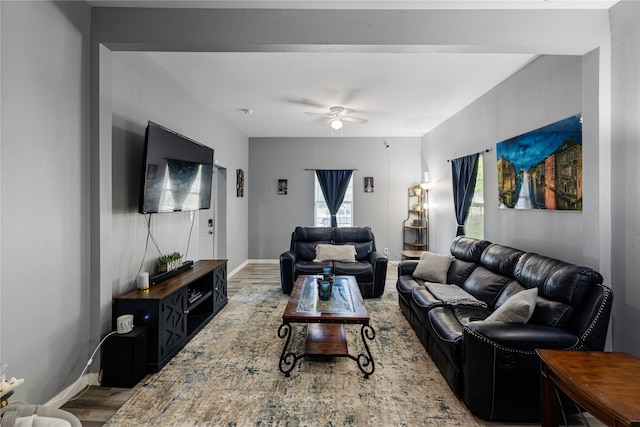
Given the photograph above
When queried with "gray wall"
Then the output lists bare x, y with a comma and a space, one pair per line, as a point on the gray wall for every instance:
625, 231
547, 90
141, 91
44, 197
273, 217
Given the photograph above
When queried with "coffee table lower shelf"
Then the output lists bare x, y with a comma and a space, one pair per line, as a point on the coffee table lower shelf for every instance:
326, 339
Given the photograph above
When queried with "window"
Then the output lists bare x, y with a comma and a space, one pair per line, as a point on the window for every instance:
474, 226
322, 215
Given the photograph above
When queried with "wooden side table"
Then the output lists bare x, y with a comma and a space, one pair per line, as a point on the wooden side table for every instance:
411, 254
605, 384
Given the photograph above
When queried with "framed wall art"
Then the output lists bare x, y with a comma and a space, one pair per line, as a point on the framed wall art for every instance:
282, 186
542, 169
239, 183
368, 184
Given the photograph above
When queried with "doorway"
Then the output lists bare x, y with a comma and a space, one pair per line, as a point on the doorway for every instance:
213, 221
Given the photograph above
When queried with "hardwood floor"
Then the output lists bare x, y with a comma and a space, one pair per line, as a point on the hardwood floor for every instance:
95, 406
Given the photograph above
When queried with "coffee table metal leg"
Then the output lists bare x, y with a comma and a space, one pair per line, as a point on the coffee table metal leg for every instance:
287, 359
365, 361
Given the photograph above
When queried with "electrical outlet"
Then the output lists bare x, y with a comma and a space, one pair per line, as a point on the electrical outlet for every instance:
386, 251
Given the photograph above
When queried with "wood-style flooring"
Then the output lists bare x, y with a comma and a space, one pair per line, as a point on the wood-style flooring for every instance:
97, 404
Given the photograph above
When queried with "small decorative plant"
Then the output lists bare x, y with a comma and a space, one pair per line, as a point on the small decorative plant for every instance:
170, 262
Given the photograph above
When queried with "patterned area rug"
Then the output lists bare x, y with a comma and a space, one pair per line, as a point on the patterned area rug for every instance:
228, 375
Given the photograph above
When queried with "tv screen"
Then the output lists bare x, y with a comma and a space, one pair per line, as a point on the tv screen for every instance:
177, 172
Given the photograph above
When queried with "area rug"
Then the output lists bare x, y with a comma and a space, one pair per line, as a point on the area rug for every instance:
228, 375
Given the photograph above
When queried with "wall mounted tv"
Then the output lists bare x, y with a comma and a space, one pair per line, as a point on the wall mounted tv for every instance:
177, 172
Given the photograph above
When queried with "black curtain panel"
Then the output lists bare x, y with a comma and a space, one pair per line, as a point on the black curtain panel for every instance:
464, 171
334, 185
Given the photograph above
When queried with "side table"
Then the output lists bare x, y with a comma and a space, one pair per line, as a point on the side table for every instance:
415, 255
605, 384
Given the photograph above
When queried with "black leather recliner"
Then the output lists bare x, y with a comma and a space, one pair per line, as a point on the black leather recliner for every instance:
370, 268
493, 366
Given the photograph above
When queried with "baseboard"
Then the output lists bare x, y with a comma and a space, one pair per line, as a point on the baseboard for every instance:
65, 395
251, 261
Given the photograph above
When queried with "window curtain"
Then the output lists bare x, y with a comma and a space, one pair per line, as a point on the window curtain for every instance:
464, 171
334, 185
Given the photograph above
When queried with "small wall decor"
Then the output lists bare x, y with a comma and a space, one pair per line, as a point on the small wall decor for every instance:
282, 186
239, 183
368, 184
542, 169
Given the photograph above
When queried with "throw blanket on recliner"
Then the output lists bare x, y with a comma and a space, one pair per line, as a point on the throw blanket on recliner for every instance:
453, 295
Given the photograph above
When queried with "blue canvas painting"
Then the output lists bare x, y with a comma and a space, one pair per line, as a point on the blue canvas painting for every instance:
542, 169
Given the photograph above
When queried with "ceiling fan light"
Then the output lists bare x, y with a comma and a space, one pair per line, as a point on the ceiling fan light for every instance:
336, 124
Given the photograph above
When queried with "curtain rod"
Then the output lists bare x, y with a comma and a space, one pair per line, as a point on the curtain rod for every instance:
479, 152
321, 169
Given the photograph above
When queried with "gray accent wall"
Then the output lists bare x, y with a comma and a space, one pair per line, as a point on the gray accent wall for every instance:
44, 198
625, 171
272, 217
141, 91
548, 89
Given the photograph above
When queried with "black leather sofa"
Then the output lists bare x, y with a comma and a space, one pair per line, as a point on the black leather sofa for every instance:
369, 268
492, 365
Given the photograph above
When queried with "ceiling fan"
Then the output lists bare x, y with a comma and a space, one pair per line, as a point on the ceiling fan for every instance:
337, 115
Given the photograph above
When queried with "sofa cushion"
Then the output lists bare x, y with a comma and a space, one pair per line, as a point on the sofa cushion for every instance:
552, 313
433, 267
501, 259
363, 271
517, 309
342, 253
459, 271
360, 237
310, 268
305, 239
468, 248
486, 285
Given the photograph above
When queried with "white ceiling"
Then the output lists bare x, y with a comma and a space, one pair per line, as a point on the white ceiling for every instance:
266, 94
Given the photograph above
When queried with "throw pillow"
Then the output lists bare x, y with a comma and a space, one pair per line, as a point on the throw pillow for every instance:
517, 309
341, 253
433, 267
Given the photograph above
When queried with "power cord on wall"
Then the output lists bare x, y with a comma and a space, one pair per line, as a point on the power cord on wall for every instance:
89, 362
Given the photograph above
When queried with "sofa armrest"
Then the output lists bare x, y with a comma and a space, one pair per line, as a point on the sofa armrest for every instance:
518, 336
501, 369
379, 262
406, 268
287, 263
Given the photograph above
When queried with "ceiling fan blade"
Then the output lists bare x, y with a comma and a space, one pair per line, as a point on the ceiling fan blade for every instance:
354, 119
346, 111
317, 114
305, 101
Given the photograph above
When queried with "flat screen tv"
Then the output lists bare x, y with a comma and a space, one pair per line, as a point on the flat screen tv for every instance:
177, 172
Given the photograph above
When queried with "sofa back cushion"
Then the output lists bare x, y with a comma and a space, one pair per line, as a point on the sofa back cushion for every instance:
305, 239
561, 287
486, 285
501, 259
468, 248
466, 252
360, 237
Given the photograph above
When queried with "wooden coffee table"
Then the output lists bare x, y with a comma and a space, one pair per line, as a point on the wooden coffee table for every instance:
325, 322
605, 384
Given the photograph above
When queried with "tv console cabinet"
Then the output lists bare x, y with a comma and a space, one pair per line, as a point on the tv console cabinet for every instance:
175, 309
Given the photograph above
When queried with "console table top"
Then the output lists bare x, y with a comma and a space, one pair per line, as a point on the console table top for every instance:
607, 384
167, 287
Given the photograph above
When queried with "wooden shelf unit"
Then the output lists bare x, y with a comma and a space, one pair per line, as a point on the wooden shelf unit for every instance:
175, 309
415, 229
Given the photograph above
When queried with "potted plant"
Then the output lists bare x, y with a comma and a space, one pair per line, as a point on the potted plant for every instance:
170, 262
